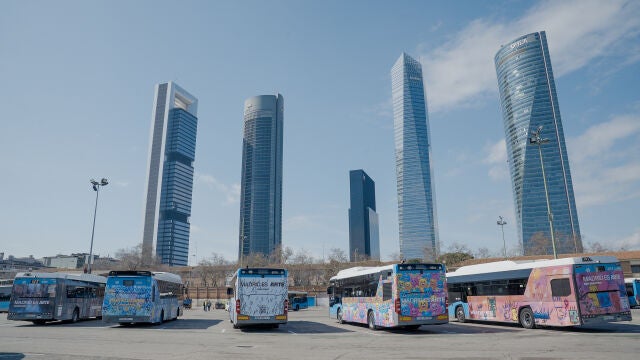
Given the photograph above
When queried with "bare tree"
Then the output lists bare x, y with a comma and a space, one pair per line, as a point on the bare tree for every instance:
132, 259
337, 255
483, 253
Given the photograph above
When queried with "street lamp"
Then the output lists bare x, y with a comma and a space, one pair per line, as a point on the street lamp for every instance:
502, 223
96, 188
535, 139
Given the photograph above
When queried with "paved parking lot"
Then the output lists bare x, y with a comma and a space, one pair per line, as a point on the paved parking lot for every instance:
310, 334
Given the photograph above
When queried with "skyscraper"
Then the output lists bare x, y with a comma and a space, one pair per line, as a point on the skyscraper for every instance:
261, 183
170, 180
364, 238
528, 98
416, 191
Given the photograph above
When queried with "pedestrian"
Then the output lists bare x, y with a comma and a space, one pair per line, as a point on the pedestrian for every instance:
208, 305
204, 305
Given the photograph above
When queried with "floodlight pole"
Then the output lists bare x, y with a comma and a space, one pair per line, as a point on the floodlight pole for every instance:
536, 140
96, 188
501, 222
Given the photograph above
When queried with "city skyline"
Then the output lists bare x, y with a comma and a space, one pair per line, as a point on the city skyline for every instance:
417, 214
77, 95
530, 105
172, 151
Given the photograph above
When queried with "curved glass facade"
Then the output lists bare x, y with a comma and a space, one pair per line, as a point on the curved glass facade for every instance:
261, 183
529, 100
416, 197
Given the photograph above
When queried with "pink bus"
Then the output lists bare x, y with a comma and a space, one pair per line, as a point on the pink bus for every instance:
563, 292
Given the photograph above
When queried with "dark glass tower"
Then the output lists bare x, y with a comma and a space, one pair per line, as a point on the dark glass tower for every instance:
417, 219
170, 181
261, 183
529, 100
364, 238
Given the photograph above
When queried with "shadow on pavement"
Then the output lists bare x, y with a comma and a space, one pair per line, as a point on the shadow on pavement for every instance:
310, 327
11, 356
605, 328
180, 324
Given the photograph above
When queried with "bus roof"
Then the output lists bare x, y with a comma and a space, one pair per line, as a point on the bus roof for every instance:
166, 276
631, 280
70, 276
159, 275
360, 270
509, 265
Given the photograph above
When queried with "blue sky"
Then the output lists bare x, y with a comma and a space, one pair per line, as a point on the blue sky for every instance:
77, 94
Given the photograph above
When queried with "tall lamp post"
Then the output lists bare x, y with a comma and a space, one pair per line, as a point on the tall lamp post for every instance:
96, 188
535, 139
502, 223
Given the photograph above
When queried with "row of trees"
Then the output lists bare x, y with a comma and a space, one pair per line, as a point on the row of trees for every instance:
304, 269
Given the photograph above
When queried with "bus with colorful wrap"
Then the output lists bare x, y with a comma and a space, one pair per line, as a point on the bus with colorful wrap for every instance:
391, 296
571, 291
142, 297
41, 297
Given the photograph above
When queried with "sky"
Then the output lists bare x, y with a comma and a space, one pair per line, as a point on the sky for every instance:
77, 92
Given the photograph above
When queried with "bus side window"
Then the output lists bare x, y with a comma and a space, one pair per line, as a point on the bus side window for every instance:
153, 293
560, 287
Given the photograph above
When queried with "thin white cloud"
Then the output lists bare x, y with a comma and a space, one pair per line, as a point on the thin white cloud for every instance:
605, 162
497, 160
630, 242
230, 192
461, 72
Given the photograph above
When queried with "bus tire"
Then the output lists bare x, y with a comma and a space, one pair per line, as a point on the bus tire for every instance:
75, 316
339, 316
296, 308
236, 326
526, 318
371, 320
460, 314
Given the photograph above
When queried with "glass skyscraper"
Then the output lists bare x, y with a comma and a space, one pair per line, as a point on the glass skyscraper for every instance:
170, 179
261, 183
528, 98
364, 238
416, 196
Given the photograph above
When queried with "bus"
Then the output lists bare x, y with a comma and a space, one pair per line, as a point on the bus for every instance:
562, 292
258, 296
397, 295
5, 294
142, 297
298, 300
42, 297
633, 291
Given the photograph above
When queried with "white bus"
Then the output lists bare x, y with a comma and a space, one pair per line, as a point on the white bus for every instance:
142, 297
42, 297
258, 296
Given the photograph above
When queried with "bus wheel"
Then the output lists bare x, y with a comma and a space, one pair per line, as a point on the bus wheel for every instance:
75, 315
161, 317
526, 318
340, 321
372, 321
460, 314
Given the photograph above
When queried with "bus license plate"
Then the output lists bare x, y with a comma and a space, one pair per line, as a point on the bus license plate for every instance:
424, 317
